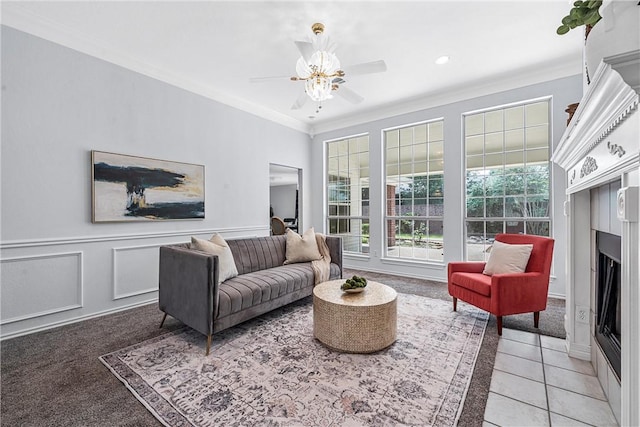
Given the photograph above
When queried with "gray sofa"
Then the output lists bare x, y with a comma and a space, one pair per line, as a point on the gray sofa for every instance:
189, 289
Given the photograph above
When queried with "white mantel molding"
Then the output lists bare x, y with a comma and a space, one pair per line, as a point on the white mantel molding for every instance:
608, 102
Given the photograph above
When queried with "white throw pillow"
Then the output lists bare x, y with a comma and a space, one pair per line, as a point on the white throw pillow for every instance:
218, 246
301, 248
505, 258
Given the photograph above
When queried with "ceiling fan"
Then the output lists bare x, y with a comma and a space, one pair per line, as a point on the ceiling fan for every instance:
319, 68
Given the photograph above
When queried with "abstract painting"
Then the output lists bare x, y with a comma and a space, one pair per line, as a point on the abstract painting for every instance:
130, 188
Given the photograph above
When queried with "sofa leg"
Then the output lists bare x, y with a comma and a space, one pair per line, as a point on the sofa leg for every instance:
163, 319
536, 319
208, 344
499, 318
455, 304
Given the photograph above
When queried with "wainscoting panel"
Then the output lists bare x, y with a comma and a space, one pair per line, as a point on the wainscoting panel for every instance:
135, 270
39, 285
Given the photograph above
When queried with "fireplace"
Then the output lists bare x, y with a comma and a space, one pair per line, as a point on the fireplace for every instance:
600, 153
608, 315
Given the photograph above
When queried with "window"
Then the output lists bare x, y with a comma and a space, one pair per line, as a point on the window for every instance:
414, 164
348, 192
507, 174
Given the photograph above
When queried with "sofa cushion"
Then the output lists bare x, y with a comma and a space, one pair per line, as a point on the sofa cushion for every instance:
254, 288
476, 282
301, 248
217, 246
257, 253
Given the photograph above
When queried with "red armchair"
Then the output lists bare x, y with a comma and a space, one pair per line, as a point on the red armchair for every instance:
510, 293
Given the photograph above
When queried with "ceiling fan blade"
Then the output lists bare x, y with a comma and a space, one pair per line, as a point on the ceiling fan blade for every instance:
302, 99
365, 68
349, 95
305, 48
268, 79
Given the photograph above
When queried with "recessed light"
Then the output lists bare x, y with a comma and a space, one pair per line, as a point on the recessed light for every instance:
442, 60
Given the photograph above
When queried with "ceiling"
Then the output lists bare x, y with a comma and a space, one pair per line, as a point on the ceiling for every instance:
214, 48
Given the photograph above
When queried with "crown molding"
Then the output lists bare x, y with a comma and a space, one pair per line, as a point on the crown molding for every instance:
22, 19
500, 83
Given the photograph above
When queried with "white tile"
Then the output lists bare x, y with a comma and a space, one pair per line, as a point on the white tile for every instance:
503, 411
582, 408
519, 349
519, 366
574, 381
557, 344
560, 421
562, 360
521, 336
518, 388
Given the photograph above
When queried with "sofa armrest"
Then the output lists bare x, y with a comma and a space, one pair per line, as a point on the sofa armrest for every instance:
188, 286
335, 250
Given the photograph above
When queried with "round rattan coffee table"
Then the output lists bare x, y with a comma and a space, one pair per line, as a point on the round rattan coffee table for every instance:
362, 322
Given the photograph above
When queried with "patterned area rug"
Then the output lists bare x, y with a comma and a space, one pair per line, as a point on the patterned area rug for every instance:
271, 371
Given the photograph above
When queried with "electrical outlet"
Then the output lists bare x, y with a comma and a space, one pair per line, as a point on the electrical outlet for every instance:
582, 315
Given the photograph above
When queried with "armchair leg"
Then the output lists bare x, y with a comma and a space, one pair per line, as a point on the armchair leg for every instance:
499, 318
163, 319
536, 319
455, 304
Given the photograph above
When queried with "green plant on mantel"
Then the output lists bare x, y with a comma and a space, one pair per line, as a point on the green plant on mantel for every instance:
583, 13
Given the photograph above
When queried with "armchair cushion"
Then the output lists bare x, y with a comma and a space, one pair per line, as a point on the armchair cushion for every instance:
476, 282
506, 258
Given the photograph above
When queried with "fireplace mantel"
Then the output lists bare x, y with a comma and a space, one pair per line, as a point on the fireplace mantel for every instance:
586, 150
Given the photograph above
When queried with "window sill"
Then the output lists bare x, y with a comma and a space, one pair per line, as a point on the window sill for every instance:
431, 264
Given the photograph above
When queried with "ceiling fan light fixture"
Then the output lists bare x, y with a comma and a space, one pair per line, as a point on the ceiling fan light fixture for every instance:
318, 74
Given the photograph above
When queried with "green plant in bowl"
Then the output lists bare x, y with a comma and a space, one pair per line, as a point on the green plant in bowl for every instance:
356, 282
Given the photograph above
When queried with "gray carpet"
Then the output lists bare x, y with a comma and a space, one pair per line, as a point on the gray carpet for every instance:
54, 378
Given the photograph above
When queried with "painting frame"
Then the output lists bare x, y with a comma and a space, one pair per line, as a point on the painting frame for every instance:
129, 188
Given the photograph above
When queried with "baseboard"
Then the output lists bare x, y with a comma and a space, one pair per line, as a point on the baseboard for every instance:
52, 325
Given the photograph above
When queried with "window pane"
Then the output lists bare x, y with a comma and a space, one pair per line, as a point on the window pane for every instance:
474, 124
514, 207
539, 228
493, 143
435, 131
537, 113
474, 144
514, 118
436, 151
537, 137
475, 206
493, 121
495, 207
514, 140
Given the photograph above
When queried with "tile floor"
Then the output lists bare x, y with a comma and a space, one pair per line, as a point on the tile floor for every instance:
535, 383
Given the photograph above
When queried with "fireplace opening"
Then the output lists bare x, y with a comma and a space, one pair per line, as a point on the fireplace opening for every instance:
608, 313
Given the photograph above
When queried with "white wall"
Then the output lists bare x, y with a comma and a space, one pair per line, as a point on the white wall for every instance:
562, 92
57, 106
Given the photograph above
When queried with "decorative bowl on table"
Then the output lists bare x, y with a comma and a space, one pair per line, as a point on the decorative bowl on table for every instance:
354, 285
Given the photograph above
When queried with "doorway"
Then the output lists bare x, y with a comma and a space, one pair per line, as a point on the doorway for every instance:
285, 195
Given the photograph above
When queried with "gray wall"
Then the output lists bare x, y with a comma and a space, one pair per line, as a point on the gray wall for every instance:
562, 92
57, 106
